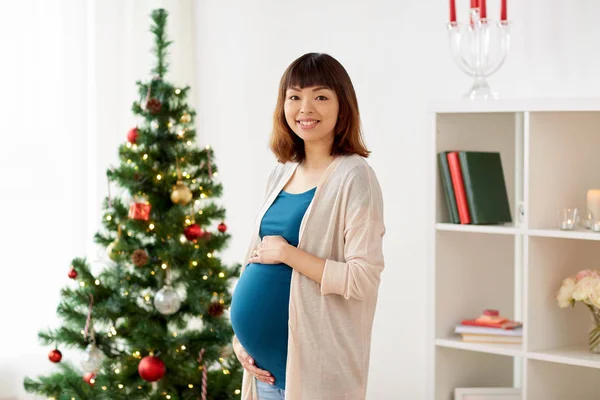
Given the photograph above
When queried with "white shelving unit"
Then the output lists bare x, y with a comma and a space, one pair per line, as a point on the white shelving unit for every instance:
550, 150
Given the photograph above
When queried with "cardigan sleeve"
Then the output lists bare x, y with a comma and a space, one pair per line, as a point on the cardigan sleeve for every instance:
359, 275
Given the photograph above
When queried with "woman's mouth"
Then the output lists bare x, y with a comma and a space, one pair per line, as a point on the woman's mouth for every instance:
307, 123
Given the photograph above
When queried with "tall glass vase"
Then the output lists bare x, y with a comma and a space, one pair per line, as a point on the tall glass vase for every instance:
594, 335
479, 48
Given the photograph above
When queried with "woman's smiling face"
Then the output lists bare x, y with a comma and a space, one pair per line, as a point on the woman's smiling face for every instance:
312, 112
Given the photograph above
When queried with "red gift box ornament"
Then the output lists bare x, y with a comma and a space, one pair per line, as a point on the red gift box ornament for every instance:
140, 211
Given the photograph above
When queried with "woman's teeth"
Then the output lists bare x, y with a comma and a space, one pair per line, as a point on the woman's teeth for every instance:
307, 123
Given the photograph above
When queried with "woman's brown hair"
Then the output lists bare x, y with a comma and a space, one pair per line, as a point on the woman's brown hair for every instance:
318, 69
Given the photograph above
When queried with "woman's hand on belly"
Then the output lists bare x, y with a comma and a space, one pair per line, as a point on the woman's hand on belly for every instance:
248, 364
270, 251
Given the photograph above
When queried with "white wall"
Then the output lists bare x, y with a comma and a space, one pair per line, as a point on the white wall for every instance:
397, 55
42, 170
67, 96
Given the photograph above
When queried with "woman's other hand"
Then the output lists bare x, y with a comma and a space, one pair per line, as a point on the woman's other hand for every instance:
270, 251
248, 364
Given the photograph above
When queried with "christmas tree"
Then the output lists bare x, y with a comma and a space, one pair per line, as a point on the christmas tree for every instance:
152, 318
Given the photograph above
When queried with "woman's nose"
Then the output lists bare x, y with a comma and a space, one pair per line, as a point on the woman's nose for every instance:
306, 106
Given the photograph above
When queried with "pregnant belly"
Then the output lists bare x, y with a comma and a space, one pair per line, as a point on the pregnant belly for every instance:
259, 311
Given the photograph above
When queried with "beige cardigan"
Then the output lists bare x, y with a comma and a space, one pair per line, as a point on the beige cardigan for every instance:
330, 324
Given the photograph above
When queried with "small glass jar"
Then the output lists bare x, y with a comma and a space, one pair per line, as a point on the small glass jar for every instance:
567, 218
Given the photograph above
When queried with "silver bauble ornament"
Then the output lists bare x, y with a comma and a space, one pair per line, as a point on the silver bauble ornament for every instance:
167, 301
92, 358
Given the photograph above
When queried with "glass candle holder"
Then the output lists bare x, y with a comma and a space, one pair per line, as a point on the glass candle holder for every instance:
587, 223
479, 48
567, 218
595, 225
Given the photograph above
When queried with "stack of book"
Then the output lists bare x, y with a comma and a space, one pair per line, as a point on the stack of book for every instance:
474, 187
490, 327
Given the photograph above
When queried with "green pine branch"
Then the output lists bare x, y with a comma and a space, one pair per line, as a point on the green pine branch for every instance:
159, 17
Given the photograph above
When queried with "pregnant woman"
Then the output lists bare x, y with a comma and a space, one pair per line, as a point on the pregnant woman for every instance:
303, 308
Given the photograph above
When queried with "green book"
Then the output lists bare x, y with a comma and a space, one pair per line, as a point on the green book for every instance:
485, 187
448, 188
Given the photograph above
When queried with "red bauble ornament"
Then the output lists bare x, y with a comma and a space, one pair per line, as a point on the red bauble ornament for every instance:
222, 227
90, 378
151, 368
193, 232
153, 105
132, 135
140, 211
72, 273
55, 356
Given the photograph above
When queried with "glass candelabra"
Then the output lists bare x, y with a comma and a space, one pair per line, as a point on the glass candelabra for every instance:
479, 48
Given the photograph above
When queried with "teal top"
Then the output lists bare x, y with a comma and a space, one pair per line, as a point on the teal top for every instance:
259, 307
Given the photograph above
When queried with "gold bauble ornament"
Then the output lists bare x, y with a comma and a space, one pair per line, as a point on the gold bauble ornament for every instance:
113, 250
186, 118
181, 194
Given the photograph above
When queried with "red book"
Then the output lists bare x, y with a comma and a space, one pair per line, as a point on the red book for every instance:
502, 325
459, 188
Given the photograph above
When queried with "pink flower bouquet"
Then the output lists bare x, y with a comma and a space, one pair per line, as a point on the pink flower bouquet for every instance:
585, 288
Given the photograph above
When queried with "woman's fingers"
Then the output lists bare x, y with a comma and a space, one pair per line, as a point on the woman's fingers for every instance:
257, 371
260, 374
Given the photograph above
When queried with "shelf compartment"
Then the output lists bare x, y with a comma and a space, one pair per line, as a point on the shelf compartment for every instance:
473, 272
476, 132
550, 261
458, 368
563, 163
551, 381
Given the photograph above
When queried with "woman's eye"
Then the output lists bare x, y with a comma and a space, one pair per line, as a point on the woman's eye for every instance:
294, 97
321, 98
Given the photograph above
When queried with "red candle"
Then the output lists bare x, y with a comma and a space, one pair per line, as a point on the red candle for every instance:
474, 3
452, 11
482, 9
503, 11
